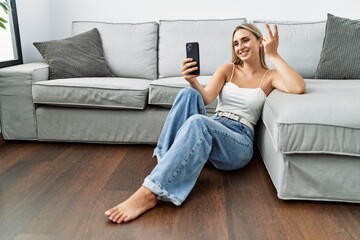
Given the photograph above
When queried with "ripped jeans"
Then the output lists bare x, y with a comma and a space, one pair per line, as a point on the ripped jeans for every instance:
189, 139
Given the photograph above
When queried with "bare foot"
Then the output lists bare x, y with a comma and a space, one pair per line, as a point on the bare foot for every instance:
141, 201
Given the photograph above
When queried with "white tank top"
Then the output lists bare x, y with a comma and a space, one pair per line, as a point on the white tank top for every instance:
245, 102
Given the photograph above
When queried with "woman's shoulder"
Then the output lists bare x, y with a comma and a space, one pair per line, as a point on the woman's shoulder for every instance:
224, 72
270, 75
226, 68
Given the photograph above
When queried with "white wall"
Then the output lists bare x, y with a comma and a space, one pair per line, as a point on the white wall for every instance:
35, 25
42, 20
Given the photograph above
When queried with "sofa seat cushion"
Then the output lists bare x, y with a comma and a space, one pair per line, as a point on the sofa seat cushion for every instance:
163, 91
326, 119
123, 93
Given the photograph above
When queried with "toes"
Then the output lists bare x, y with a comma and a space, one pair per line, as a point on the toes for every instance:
110, 212
122, 219
127, 219
116, 217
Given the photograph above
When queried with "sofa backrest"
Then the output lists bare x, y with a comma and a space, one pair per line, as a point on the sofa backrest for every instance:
300, 44
130, 49
154, 50
214, 37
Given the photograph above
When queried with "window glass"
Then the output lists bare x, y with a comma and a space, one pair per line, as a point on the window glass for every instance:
10, 49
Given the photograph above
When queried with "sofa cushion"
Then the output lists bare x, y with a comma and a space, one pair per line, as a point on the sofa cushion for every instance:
326, 119
120, 93
300, 44
163, 91
77, 56
214, 37
129, 48
340, 56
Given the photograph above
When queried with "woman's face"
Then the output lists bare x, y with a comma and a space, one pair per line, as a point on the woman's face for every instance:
245, 44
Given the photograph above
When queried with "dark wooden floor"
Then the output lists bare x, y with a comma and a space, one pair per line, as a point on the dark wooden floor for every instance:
61, 190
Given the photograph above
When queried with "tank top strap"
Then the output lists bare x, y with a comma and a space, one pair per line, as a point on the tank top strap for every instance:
233, 70
263, 77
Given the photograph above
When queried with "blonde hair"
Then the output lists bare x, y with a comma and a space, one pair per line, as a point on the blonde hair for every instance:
257, 33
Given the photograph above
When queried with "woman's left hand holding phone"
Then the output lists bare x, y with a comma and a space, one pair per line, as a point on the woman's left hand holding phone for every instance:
188, 67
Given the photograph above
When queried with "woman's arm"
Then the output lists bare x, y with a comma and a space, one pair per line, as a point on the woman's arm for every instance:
285, 78
212, 90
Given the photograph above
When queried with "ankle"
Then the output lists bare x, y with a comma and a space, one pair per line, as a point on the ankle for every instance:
149, 196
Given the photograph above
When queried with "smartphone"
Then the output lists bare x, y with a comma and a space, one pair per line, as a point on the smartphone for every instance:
192, 51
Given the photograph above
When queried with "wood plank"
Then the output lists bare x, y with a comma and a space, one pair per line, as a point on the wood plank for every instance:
61, 191
130, 173
76, 189
39, 237
166, 219
256, 213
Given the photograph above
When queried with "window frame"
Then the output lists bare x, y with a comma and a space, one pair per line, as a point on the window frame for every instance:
15, 27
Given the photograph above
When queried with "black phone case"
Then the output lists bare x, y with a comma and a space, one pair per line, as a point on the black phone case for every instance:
192, 51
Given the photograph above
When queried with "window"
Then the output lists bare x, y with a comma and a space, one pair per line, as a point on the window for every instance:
10, 48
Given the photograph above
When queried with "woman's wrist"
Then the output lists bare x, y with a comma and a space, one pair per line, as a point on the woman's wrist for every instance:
273, 56
194, 83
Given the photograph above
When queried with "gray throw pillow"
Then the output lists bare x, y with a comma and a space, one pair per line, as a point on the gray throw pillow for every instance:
78, 56
340, 55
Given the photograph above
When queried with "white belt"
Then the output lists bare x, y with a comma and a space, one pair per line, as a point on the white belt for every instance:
235, 117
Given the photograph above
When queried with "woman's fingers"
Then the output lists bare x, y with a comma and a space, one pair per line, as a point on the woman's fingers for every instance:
273, 37
187, 60
271, 42
269, 30
276, 32
190, 70
271, 34
188, 67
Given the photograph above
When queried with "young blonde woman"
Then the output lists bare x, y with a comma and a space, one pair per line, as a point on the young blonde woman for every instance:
189, 138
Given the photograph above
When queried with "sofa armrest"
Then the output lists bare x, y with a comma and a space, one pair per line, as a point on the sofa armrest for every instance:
18, 120
38, 71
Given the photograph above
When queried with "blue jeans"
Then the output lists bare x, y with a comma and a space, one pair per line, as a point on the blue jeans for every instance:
188, 140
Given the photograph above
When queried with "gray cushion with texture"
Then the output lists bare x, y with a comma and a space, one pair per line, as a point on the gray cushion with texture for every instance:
340, 56
77, 56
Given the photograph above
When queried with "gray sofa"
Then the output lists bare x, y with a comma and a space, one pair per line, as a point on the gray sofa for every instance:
310, 143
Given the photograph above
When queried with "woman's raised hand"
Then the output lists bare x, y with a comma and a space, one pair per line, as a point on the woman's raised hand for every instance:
189, 66
271, 42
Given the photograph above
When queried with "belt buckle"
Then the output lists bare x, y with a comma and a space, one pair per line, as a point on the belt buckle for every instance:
236, 117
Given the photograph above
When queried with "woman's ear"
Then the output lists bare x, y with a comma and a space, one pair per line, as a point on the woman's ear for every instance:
261, 42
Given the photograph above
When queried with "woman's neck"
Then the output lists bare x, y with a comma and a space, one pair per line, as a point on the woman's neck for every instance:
252, 68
